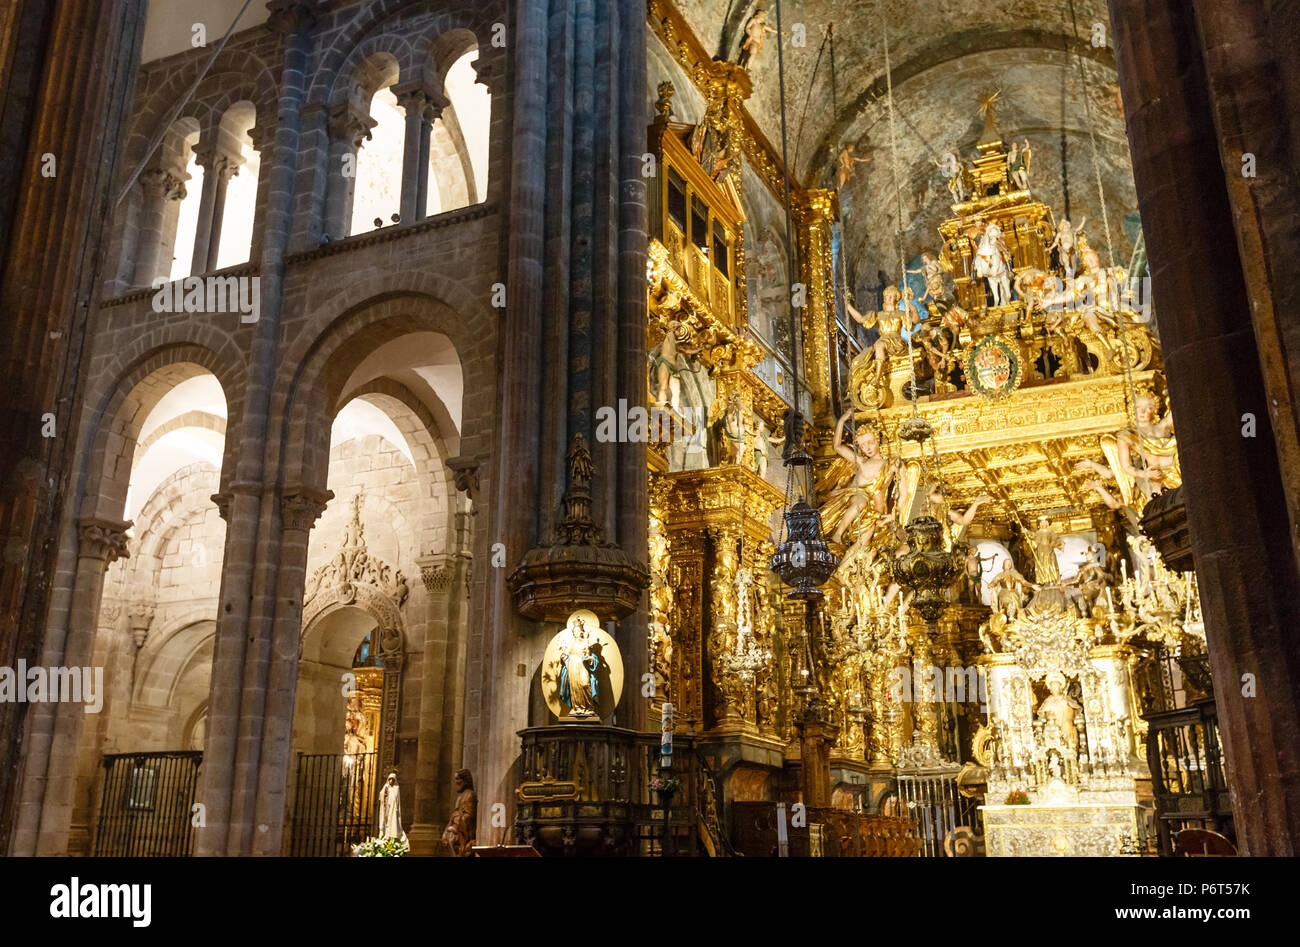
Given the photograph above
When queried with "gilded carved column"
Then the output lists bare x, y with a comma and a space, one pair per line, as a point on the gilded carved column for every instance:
721, 638
814, 214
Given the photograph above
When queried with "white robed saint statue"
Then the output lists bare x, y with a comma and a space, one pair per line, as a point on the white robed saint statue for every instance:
390, 810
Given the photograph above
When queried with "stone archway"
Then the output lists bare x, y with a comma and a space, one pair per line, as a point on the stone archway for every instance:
353, 578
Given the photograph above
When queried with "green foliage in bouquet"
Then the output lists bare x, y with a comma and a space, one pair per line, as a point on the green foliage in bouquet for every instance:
382, 848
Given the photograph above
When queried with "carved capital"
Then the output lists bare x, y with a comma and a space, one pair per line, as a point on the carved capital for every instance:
465, 471
437, 572
420, 98
140, 615
300, 507
163, 185
223, 501
489, 70
289, 16
104, 539
349, 125
213, 160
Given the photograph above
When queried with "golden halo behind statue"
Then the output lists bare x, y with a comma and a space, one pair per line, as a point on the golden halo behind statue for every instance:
608, 674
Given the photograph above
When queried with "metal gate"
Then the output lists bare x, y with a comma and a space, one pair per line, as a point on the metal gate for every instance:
145, 809
334, 803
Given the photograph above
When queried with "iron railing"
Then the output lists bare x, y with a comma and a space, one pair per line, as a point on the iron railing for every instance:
334, 802
146, 806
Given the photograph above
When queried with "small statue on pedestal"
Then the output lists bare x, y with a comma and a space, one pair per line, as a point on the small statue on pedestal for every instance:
390, 809
1059, 708
578, 685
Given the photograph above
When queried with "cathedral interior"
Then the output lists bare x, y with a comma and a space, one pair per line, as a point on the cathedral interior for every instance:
650, 428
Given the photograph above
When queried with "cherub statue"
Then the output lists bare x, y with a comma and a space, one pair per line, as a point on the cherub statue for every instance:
1018, 165
667, 361
963, 518
844, 165
889, 321
764, 439
734, 428
756, 29
867, 491
1008, 588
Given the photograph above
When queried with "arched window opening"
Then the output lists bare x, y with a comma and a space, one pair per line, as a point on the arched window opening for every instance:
187, 216
458, 156
233, 229
379, 165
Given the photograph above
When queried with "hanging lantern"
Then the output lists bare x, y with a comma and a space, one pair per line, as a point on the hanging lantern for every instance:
927, 569
803, 560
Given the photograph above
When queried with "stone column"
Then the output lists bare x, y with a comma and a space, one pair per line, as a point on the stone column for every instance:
349, 127
300, 507
247, 622
160, 187
511, 485
439, 574
1233, 485
421, 112
102, 543
218, 168
1247, 87
50, 55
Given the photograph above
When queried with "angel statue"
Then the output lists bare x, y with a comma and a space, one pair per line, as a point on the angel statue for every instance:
667, 362
954, 170
844, 165
755, 30
1143, 460
764, 440
1018, 165
1066, 259
932, 270
861, 479
889, 321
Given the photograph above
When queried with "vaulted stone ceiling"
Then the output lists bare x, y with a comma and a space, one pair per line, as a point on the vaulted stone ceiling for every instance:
945, 56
